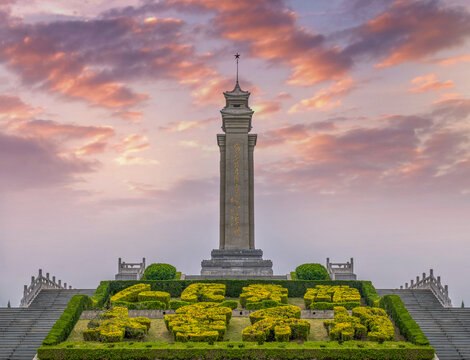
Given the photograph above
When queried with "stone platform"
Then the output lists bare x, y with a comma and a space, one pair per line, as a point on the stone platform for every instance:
236, 263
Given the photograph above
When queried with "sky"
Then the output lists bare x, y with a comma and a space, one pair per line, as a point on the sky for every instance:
109, 111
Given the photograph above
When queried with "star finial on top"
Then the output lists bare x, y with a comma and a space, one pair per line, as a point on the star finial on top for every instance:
237, 56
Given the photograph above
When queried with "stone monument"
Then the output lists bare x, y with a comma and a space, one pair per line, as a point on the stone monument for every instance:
237, 255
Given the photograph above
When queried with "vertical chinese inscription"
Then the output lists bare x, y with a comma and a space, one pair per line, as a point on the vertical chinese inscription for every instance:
235, 199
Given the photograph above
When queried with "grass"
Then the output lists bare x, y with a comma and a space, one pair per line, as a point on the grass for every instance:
317, 330
76, 334
296, 302
234, 329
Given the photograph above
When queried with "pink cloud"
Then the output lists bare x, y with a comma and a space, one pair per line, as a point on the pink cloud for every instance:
429, 83
411, 31
454, 60
326, 98
129, 146
34, 163
12, 107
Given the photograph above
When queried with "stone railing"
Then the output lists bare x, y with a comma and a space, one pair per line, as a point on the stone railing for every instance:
434, 284
130, 271
37, 284
341, 271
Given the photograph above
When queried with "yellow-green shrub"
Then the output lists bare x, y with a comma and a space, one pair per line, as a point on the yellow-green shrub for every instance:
202, 292
326, 297
279, 312
258, 293
372, 322
276, 324
161, 296
114, 325
204, 321
130, 294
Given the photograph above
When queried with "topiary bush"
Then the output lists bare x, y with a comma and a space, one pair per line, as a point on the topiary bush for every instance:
159, 272
254, 295
312, 272
276, 324
204, 321
202, 292
326, 297
115, 325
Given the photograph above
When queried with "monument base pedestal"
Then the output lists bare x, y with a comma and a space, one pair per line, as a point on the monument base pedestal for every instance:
237, 263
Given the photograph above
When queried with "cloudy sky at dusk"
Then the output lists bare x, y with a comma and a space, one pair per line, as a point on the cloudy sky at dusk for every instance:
109, 111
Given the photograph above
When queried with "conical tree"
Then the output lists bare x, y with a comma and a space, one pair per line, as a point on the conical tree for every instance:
9, 305
463, 305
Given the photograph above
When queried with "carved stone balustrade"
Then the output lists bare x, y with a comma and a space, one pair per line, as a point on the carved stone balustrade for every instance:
130, 271
341, 271
37, 284
432, 283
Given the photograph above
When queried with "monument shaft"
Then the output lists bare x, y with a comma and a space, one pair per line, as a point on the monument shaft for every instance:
237, 255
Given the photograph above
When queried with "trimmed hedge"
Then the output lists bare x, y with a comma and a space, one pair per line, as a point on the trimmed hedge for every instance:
159, 272
403, 320
369, 293
276, 324
65, 324
114, 325
312, 272
204, 321
257, 296
202, 292
320, 350
234, 288
327, 297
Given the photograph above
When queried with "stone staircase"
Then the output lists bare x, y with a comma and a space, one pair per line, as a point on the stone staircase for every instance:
448, 329
23, 329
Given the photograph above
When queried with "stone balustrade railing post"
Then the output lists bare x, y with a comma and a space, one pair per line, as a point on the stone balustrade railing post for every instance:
432, 283
37, 284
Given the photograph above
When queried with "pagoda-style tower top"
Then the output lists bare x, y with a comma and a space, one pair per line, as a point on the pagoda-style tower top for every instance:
236, 115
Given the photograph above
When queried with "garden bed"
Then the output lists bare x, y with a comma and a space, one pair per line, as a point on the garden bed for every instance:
236, 350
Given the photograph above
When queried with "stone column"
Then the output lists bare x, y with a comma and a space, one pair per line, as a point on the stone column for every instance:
221, 143
251, 168
237, 204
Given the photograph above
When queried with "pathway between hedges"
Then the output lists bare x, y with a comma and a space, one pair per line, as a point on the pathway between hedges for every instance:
448, 329
23, 329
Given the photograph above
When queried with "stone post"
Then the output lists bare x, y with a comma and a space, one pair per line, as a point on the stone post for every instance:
32, 280
251, 168
25, 290
47, 276
417, 280
221, 143
431, 272
60, 283
40, 274
352, 264
406, 285
65, 285
411, 283
439, 280
53, 279
143, 263
119, 265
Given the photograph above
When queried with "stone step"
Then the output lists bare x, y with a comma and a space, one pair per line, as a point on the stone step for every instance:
448, 329
23, 329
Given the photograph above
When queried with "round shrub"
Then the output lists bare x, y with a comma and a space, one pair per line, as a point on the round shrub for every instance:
159, 272
312, 272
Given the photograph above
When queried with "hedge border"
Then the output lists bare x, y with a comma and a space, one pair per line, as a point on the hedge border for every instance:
353, 350
297, 288
65, 324
408, 327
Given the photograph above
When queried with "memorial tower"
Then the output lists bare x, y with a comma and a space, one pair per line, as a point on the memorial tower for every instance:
237, 254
